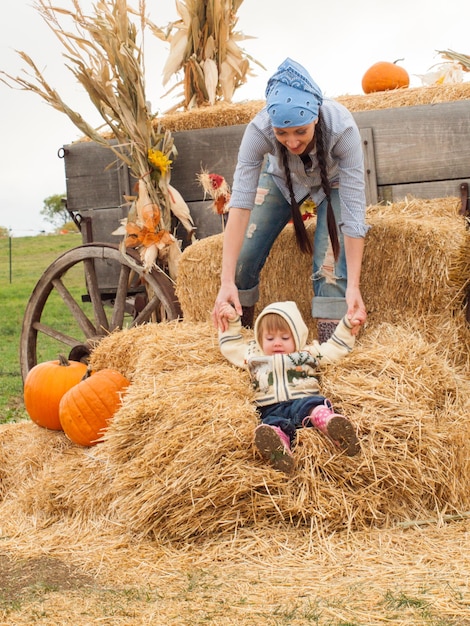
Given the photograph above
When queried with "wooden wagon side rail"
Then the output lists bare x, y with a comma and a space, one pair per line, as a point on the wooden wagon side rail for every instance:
421, 151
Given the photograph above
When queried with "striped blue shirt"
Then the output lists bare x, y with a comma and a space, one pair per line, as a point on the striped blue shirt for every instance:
344, 161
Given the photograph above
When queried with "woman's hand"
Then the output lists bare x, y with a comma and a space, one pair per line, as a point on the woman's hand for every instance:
227, 297
227, 312
357, 313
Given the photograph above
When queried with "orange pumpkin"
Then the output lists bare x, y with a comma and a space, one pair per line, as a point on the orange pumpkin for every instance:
383, 76
86, 409
44, 386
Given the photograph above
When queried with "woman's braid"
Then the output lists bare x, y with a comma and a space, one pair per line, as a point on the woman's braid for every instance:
325, 183
301, 235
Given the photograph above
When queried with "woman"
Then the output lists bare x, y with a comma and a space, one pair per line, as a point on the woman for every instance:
304, 147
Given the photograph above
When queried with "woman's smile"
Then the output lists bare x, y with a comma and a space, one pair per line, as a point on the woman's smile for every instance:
297, 139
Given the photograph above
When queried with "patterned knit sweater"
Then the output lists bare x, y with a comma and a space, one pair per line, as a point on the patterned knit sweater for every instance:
282, 377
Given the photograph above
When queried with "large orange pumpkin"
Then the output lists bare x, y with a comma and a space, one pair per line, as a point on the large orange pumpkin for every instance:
44, 386
383, 76
86, 409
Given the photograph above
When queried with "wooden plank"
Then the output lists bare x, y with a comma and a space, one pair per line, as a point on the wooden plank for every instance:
86, 158
100, 191
370, 174
428, 190
420, 143
94, 177
211, 149
103, 223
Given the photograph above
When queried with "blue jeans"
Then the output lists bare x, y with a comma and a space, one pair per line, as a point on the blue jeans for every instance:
289, 415
266, 222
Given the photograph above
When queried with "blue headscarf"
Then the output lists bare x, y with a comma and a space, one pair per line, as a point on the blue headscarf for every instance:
292, 96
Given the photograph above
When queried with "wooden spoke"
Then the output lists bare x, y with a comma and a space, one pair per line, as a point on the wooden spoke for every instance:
56, 334
85, 324
94, 291
121, 298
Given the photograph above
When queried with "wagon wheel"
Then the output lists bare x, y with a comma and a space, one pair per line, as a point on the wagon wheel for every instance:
60, 317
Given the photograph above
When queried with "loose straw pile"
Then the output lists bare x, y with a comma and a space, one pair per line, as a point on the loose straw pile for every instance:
177, 462
176, 486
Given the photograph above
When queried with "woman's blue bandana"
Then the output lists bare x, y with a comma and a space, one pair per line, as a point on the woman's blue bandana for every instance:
292, 96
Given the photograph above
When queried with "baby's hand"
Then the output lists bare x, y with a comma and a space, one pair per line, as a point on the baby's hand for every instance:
227, 311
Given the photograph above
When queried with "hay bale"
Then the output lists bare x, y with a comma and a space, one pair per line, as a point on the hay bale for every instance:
180, 449
125, 352
19, 444
177, 462
419, 251
200, 262
230, 114
214, 116
415, 96
47, 479
416, 262
199, 276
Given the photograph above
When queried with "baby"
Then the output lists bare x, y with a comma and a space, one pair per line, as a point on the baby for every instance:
283, 371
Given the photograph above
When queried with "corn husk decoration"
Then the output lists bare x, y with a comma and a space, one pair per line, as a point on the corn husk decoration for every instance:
180, 209
450, 72
106, 59
462, 59
205, 45
143, 228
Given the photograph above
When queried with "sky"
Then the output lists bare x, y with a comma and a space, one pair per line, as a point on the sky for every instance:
337, 41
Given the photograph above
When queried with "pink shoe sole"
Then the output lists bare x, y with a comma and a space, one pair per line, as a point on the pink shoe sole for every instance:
342, 434
272, 449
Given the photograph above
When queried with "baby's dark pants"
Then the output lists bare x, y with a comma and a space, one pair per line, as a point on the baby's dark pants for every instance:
288, 416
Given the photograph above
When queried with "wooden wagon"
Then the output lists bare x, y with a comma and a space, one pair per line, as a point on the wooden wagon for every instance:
421, 151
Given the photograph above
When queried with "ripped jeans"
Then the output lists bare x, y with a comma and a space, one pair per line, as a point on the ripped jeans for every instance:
269, 216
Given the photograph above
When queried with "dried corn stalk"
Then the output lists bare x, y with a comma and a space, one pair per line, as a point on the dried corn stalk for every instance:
105, 58
204, 44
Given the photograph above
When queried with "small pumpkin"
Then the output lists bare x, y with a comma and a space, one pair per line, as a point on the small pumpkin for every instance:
383, 76
85, 410
44, 386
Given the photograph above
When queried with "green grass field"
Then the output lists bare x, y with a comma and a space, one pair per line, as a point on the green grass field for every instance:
22, 262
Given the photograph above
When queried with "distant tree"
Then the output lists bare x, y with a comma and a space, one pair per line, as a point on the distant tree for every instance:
4, 232
54, 210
